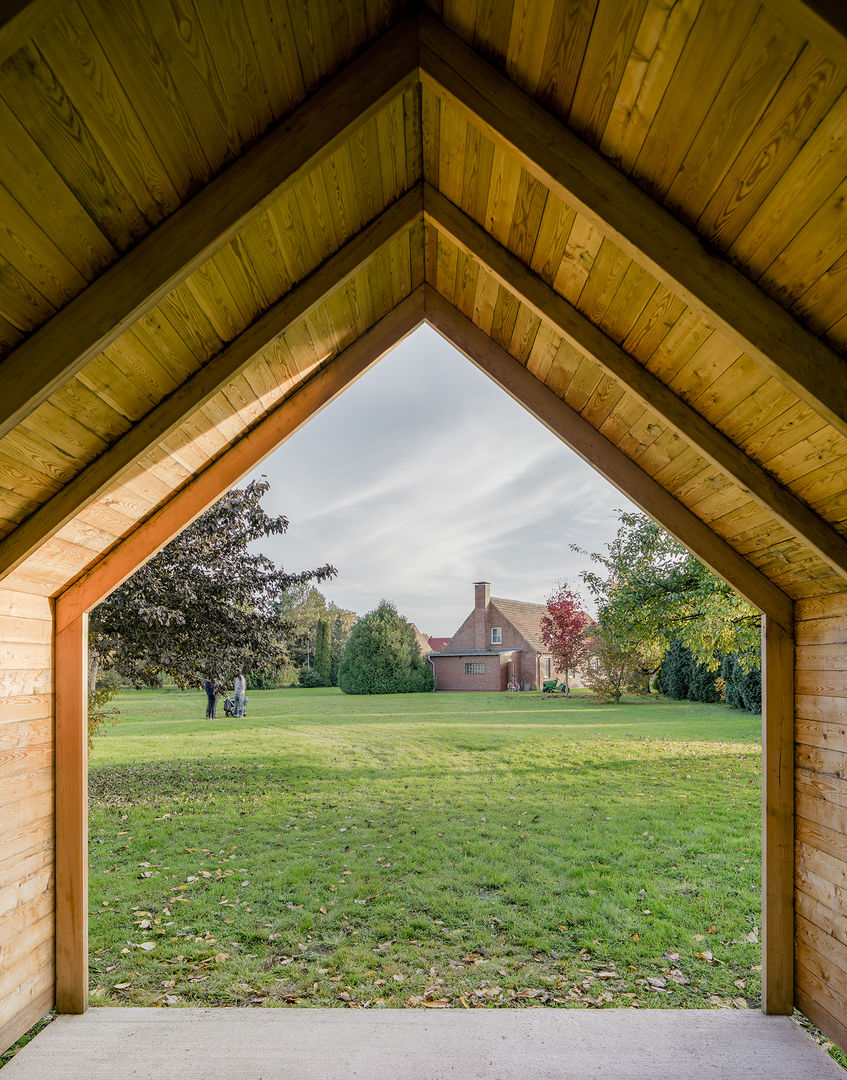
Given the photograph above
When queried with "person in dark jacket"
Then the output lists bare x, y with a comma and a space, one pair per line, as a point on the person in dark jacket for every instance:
211, 698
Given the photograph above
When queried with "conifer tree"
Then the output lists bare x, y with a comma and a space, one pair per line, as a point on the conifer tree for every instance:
323, 652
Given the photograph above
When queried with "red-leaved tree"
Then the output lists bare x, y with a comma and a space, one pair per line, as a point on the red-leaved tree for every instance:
563, 629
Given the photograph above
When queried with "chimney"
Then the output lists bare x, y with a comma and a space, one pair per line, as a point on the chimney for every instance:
482, 591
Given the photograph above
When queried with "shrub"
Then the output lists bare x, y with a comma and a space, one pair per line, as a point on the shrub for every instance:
382, 656
310, 678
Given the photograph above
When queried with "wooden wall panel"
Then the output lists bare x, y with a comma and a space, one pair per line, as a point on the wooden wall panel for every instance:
821, 807
27, 854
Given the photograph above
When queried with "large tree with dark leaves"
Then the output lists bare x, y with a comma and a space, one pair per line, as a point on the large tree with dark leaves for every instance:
206, 606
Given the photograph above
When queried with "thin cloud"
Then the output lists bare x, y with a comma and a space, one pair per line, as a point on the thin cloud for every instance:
424, 477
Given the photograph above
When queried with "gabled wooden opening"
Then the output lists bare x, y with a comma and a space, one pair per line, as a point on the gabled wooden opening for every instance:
627, 214
424, 305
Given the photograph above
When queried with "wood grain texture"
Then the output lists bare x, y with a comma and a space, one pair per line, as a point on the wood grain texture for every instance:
581, 332
637, 225
111, 465
205, 224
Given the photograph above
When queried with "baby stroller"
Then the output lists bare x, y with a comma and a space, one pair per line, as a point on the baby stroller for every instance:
229, 705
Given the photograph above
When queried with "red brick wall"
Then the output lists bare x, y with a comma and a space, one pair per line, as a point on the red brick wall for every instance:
450, 672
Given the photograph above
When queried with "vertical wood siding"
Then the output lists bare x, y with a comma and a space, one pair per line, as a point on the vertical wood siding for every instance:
821, 808
27, 898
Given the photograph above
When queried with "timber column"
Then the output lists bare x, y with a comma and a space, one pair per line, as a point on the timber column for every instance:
777, 818
72, 816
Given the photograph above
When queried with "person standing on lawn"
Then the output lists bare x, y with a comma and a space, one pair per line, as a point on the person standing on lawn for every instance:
211, 698
240, 691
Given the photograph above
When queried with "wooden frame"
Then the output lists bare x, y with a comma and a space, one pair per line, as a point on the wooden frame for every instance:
71, 666
423, 305
638, 225
707, 440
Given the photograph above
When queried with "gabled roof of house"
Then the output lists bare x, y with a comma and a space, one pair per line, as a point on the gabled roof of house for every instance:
526, 619
438, 643
423, 641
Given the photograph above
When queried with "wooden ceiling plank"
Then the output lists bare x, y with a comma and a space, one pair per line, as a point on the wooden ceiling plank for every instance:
720, 451
202, 387
801, 101
650, 67
806, 184
205, 224
81, 65
766, 57
713, 43
634, 222
617, 468
187, 504
610, 43
34, 92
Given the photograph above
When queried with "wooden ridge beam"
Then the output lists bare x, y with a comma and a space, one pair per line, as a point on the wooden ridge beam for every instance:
608, 460
202, 226
638, 225
220, 475
110, 466
707, 440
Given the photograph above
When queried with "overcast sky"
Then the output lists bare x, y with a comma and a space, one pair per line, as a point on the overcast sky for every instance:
425, 477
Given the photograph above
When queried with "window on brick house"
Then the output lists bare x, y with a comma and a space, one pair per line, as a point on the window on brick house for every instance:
474, 669
496, 635
546, 666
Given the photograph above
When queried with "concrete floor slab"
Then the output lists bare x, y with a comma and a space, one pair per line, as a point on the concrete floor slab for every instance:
331, 1044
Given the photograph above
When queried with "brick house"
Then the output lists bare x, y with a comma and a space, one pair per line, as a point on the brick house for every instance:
498, 642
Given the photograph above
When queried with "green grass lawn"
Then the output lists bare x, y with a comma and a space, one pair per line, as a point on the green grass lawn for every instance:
434, 850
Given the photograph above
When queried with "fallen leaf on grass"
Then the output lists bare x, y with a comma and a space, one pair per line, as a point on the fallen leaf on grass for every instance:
147, 945
122, 986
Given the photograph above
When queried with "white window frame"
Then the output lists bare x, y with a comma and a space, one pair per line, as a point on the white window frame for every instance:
474, 669
496, 635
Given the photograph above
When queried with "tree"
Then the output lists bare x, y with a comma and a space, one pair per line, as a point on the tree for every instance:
615, 666
652, 591
300, 608
563, 629
382, 656
323, 652
341, 626
205, 606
